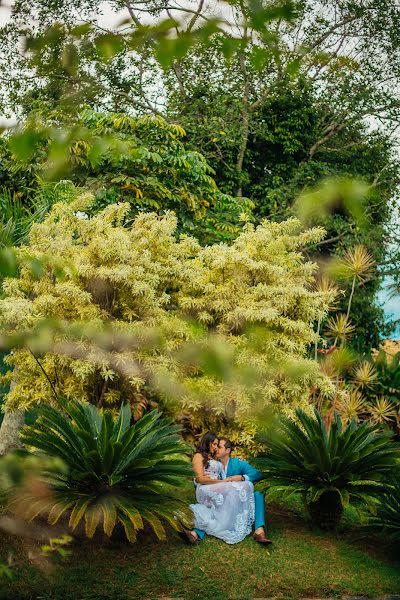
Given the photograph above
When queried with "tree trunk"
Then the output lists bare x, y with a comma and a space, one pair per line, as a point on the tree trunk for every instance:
245, 124
10, 428
327, 511
351, 296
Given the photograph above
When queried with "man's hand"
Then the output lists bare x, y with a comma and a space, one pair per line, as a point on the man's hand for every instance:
234, 478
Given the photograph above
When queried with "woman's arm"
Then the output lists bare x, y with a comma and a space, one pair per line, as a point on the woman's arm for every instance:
198, 468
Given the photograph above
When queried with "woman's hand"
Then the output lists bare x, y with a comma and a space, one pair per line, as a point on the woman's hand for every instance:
234, 478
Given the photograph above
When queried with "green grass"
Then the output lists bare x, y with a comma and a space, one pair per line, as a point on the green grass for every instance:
300, 564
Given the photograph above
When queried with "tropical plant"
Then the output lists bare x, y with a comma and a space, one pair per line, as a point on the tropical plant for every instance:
325, 286
116, 472
351, 406
339, 328
17, 216
140, 160
329, 468
356, 264
365, 375
16, 219
382, 411
387, 517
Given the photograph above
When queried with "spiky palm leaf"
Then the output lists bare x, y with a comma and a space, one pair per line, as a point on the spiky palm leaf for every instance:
365, 375
324, 285
339, 327
382, 411
357, 262
346, 464
351, 406
16, 218
338, 363
117, 472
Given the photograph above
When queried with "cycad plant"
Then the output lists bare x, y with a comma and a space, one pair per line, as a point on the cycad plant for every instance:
387, 517
116, 472
328, 467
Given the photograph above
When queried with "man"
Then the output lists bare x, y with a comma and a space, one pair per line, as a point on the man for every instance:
237, 470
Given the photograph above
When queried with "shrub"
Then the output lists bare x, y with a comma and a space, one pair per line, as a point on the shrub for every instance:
253, 298
116, 472
387, 517
329, 467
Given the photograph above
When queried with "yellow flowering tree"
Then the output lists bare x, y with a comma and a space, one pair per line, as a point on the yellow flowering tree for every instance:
212, 334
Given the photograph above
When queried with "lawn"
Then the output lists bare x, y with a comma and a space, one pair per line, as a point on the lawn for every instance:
300, 564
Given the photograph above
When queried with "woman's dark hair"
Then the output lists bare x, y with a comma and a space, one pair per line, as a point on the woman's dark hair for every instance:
204, 446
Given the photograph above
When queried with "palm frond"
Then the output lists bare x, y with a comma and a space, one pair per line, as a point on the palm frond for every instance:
365, 375
352, 405
305, 457
357, 262
339, 327
381, 411
118, 472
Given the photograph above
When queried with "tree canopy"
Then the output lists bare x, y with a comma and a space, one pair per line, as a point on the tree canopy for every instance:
142, 160
276, 97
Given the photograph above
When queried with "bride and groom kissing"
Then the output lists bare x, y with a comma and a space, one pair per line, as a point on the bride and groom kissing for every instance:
227, 505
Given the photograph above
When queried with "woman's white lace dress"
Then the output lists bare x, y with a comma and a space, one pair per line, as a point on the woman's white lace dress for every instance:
224, 510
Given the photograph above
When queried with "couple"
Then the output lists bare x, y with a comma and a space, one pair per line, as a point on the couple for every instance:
227, 505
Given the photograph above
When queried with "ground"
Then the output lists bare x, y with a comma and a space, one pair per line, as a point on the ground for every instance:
301, 563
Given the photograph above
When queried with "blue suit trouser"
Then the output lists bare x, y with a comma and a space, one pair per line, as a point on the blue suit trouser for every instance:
259, 514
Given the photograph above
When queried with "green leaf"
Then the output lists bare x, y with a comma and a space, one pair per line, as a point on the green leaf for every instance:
8, 262
228, 47
24, 144
260, 14
70, 59
108, 46
168, 50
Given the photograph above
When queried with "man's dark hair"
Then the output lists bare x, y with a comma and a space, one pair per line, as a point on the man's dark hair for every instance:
228, 443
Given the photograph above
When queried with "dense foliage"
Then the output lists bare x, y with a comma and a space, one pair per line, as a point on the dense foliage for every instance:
143, 161
328, 467
275, 98
278, 166
252, 301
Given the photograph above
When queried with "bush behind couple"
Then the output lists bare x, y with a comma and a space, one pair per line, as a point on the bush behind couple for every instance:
227, 505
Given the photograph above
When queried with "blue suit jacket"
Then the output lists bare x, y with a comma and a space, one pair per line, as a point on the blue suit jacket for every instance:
237, 466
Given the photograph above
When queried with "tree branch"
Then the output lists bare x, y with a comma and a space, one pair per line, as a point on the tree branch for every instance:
331, 30
331, 240
45, 374
196, 16
132, 14
331, 130
245, 114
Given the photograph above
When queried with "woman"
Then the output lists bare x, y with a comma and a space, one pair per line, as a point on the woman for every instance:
225, 507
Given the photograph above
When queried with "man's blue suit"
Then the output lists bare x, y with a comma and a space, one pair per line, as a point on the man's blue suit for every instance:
236, 466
